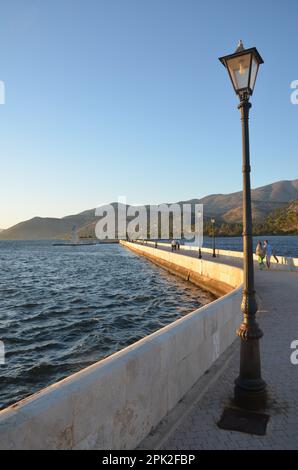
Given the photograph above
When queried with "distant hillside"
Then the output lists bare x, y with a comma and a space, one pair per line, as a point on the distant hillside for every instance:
226, 208
36, 229
283, 221
46, 228
40, 228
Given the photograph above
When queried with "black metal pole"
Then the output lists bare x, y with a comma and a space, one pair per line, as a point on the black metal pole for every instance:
214, 255
250, 388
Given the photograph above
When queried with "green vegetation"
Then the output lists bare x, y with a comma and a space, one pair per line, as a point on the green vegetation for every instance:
283, 221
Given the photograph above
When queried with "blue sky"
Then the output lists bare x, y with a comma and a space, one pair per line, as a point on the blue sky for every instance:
127, 97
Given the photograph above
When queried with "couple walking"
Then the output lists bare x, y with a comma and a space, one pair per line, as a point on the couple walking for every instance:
265, 251
175, 245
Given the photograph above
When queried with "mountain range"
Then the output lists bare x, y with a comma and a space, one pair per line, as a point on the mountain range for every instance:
225, 208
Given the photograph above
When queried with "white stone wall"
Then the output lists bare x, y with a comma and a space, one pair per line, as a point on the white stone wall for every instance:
114, 403
224, 273
285, 263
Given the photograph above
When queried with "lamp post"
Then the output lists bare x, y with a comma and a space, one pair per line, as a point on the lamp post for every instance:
213, 238
200, 232
250, 389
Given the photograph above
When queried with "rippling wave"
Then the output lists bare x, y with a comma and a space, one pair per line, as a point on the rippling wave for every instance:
63, 309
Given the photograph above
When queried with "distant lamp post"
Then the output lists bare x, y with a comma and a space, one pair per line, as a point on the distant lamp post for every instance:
200, 219
213, 238
250, 389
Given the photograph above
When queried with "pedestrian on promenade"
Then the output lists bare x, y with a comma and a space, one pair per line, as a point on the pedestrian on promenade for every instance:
173, 244
268, 251
177, 245
274, 255
260, 252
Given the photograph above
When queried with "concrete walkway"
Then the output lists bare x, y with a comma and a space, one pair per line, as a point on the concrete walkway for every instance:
233, 261
196, 428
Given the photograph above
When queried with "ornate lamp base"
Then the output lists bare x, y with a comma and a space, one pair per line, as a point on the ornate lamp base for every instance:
250, 388
251, 398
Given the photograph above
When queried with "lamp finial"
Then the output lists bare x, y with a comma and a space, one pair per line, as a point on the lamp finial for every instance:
240, 46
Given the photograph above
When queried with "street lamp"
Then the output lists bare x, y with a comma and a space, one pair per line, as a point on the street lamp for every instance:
213, 237
250, 388
200, 231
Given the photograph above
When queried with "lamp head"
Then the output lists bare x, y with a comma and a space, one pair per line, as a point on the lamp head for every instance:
243, 68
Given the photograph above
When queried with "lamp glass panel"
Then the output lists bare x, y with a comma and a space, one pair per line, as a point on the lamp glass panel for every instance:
239, 70
254, 71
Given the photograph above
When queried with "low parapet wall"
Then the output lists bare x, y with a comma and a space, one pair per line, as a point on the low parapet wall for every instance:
215, 277
115, 403
285, 263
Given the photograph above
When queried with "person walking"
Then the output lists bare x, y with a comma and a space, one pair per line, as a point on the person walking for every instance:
274, 255
268, 251
173, 245
260, 254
